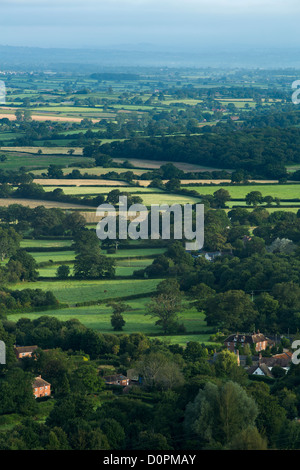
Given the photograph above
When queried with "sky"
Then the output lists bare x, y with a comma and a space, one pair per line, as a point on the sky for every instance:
163, 24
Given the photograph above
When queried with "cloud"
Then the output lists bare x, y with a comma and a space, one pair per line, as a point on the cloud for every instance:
98, 22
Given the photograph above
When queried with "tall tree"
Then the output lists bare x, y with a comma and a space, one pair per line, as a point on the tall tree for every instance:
219, 413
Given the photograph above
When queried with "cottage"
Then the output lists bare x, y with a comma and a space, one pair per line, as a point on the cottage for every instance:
24, 351
118, 379
257, 339
41, 388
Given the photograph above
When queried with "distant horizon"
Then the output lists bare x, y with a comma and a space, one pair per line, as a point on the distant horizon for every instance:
252, 33
190, 48
95, 58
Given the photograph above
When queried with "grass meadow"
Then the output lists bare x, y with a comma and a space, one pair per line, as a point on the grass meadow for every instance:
282, 191
77, 291
98, 318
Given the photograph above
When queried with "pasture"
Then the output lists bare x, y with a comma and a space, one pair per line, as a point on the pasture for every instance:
45, 243
124, 268
127, 261
18, 159
148, 195
282, 191
77, 291
98, 318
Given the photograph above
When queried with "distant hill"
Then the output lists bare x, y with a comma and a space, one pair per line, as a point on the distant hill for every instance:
142, 55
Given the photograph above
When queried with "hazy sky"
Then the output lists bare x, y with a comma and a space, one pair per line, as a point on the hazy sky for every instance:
186, 23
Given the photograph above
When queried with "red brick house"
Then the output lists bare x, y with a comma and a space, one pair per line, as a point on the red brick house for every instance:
257, 339
24, 351
41, 388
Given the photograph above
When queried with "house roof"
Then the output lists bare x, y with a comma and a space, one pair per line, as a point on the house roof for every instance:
25, 349
241, 338
39, 382
262, 367
282, 360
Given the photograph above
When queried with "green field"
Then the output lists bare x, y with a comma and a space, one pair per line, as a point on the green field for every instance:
98, 318
124, 268
85, 190
182, 340
283, 191
292, 168
133, 253
55, 256
61, 256
30, 161
73, 292
243, 204
46, 243
148, 195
